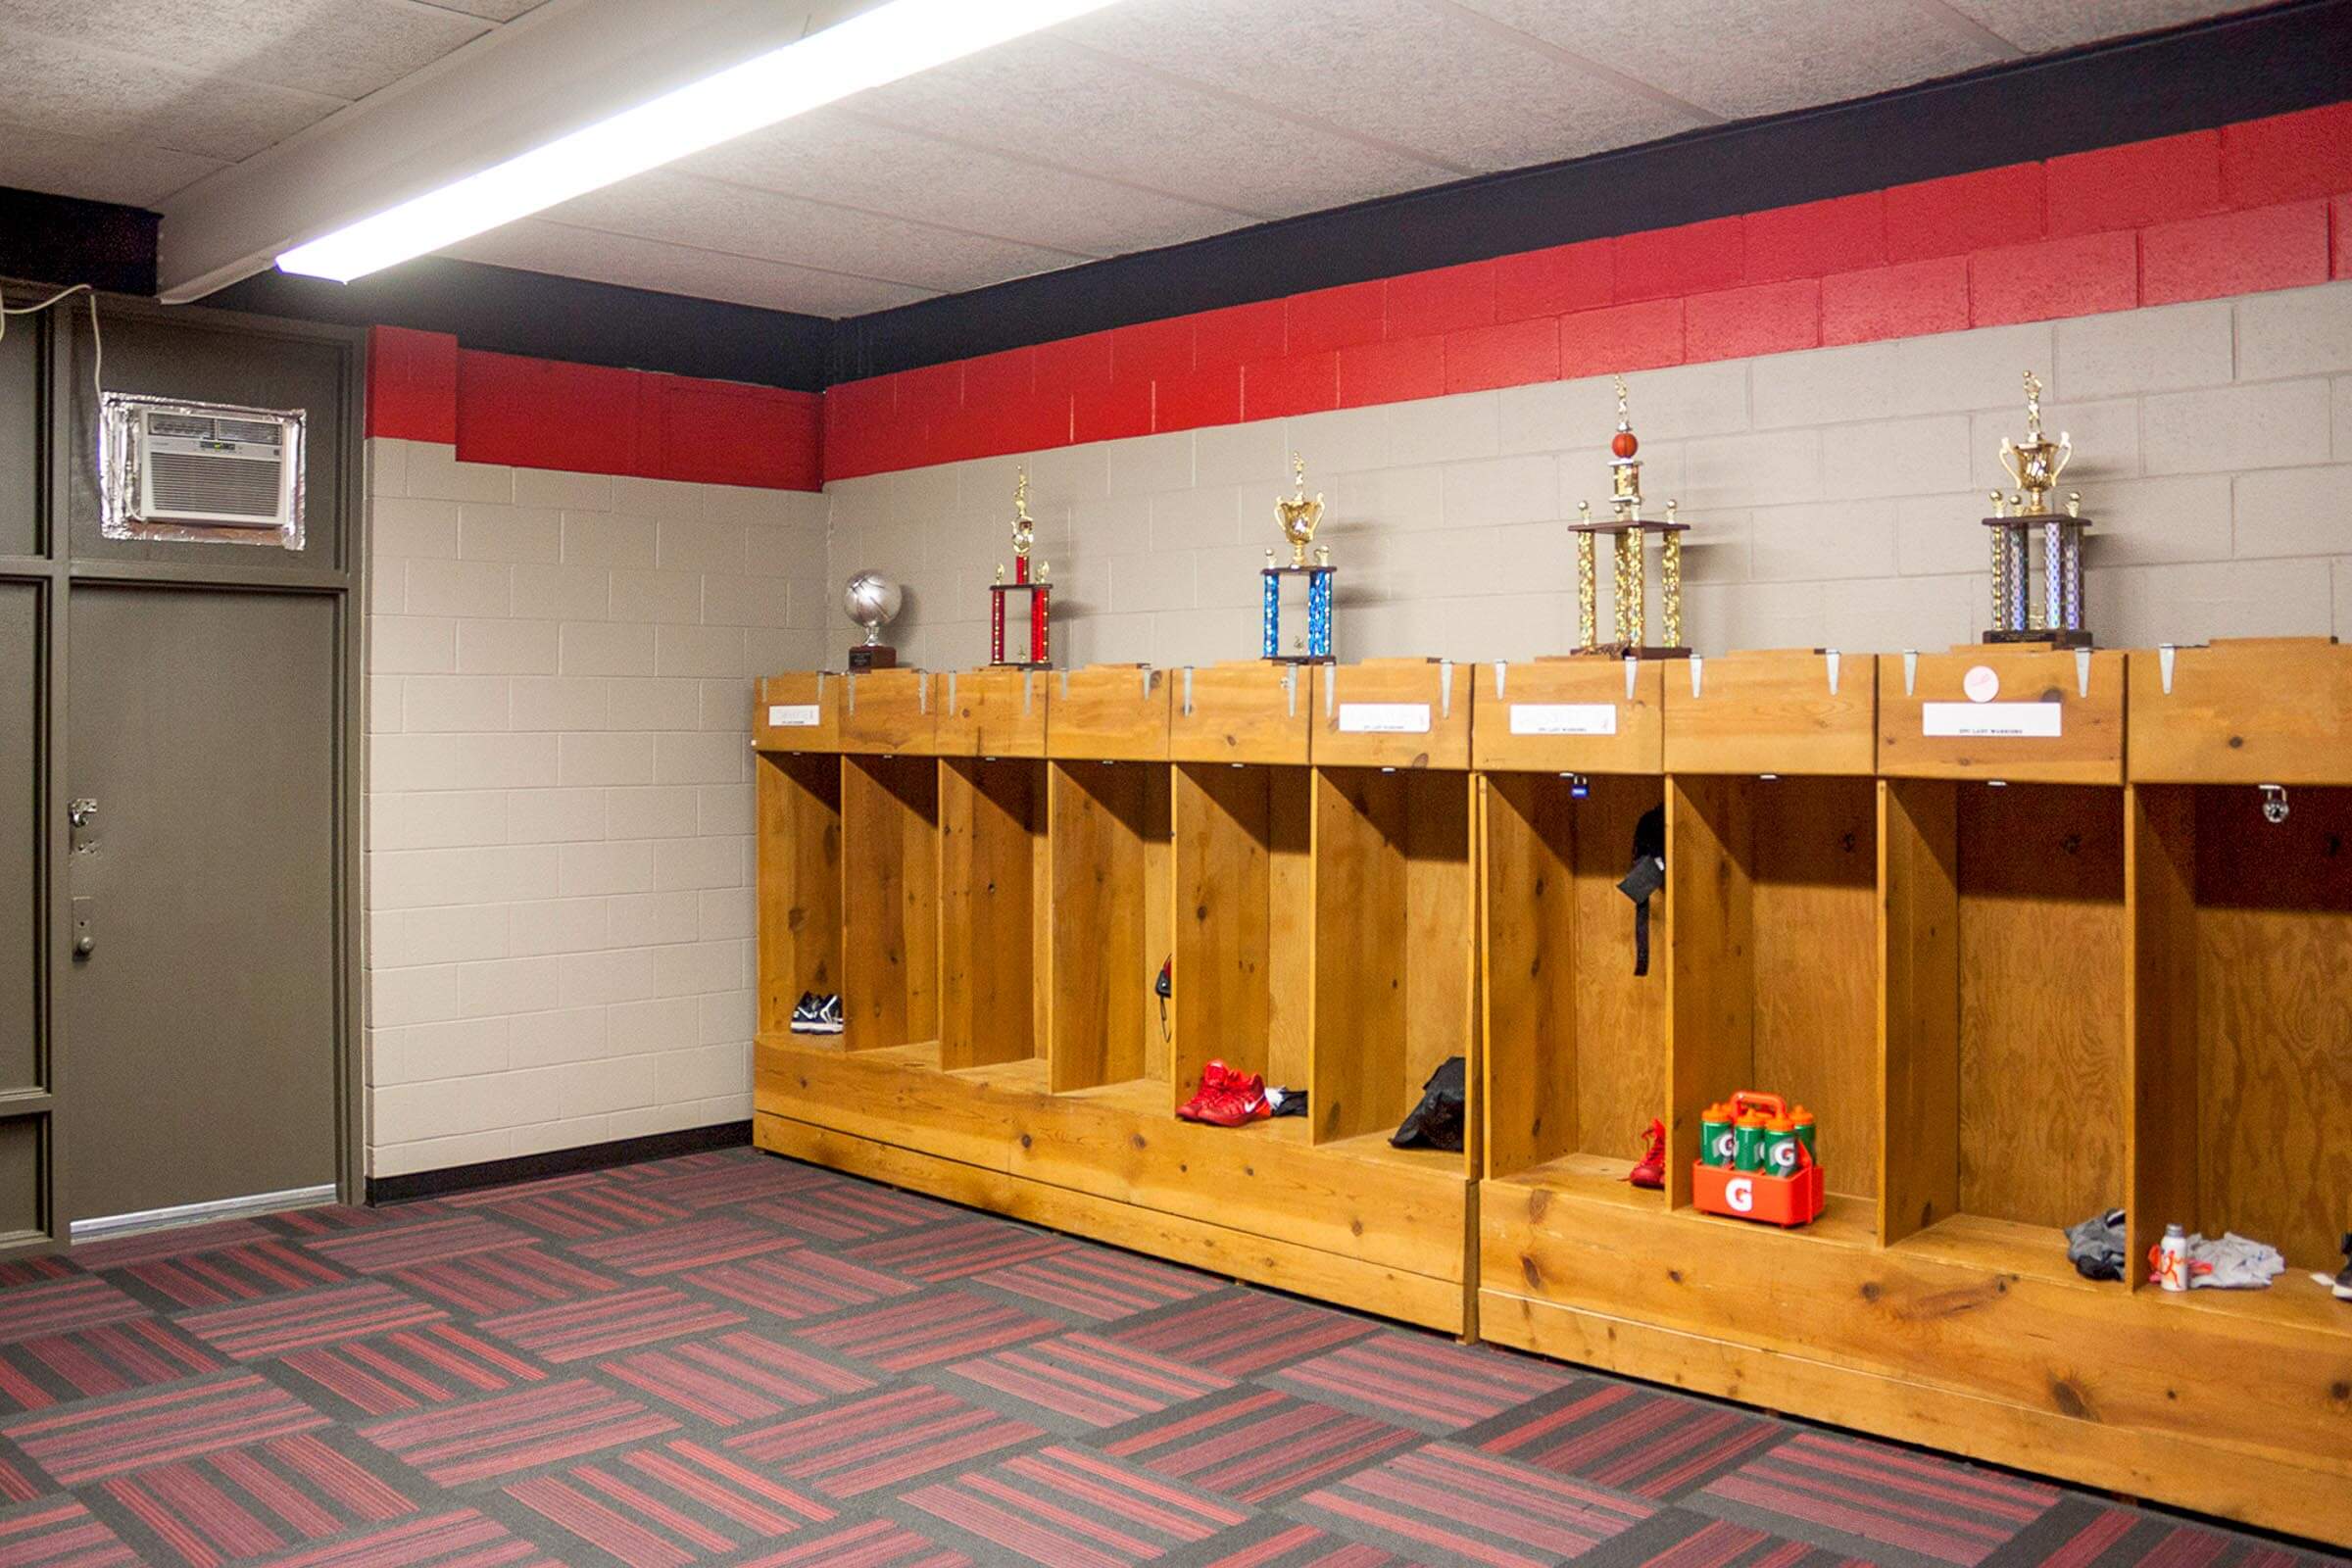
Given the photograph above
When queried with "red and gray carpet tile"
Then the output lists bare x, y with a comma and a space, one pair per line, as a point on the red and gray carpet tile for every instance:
735, 1360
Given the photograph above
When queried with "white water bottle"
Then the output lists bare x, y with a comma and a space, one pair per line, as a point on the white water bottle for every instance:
2171, 1260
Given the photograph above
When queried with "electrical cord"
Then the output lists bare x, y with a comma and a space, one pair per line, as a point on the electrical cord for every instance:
97, 340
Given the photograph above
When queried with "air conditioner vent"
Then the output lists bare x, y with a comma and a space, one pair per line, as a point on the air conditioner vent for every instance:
200, 471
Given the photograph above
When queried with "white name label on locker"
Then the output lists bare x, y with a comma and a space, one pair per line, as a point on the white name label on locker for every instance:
1563, 719
792, 716
1384, 718
2038, 722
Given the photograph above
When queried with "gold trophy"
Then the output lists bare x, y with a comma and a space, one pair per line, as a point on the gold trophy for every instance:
1040, 604
2019, 615
1629, 542
1299, 518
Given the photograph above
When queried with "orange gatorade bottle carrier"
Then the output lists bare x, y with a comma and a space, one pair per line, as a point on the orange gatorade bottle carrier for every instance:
1795, 1198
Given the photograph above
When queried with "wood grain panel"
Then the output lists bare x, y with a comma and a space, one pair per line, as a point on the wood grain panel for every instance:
1361, 972
890, 713
798, 689
994, 712
1528, 963
2167, 1137
2042, 972
1636, 704
1290, 926
1919, 1004
1117, 712
1444, 688
1247, 711
890, 900
2088, 749
2245, 710
799, 892
1710, 964
1773, 713
1109, 833
990, 834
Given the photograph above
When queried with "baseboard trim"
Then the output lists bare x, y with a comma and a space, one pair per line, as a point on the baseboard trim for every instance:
407, 1188
107, 1227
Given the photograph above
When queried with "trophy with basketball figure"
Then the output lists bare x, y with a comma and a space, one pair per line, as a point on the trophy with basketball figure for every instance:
1629, 548
1298, 516
1036, 606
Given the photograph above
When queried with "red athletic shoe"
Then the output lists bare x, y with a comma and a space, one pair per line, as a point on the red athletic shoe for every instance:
1650, 1171
1227, 1099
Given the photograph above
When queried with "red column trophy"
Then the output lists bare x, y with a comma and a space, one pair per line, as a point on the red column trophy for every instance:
1629, 543
1036, 594
2019, 615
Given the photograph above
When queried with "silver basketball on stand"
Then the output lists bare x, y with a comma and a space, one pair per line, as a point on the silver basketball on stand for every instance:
872, 601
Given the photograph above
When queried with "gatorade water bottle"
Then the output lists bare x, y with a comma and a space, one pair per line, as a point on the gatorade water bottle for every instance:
1748, 1141
1715, 1136
1780, 1147
1802, 1120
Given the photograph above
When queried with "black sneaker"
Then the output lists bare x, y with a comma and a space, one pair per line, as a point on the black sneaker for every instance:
2343, 1278
804, 1015
828, 1017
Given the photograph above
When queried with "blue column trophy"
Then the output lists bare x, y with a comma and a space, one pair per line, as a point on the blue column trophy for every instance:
1299, 518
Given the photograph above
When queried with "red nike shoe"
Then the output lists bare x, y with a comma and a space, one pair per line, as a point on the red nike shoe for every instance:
1650, 1170
1227, 1099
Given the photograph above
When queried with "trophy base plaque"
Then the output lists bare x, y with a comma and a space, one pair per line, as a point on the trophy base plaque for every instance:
864, 657
1629, 651
2060, 638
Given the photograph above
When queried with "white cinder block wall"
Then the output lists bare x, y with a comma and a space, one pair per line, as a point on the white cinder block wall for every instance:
1834, 497
559, 909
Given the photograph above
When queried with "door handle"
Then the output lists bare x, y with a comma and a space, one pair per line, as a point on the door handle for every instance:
86, 938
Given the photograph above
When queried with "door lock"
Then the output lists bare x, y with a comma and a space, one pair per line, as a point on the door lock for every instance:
81, 812
85, 940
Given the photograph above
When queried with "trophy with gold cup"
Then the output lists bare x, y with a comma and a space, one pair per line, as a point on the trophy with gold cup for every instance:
1299, 518
2019, 613
1629, 534
1036, 594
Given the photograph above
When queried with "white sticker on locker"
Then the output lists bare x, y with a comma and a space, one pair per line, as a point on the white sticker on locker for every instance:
1563, 719
1991, 720
1384, 718
792, 716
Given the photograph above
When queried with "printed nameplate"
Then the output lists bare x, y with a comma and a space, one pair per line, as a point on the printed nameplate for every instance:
1384, 718
792, 716
1563, 719
1991, 720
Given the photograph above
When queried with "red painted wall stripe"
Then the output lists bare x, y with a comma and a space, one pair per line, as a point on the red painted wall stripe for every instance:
2261, 205
587, 418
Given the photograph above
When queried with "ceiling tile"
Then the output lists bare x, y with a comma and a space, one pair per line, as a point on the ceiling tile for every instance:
1043, 98
663, 205
339, 48
487, 10
1416, 75
1741, 58
97, 171
2035, 26
537, 246
836, 156
80, 90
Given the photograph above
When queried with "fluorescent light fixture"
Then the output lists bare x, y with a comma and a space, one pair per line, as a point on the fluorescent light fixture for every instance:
886, 44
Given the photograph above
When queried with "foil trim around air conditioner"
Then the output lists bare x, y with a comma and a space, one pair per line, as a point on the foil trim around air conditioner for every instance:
119, 478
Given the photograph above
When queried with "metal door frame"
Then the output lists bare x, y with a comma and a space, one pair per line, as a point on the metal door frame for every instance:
55, 574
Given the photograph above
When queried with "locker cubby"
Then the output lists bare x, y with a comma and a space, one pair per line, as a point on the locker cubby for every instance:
797, 797
890, 900
1772, 967
1395, 957
1575, 1040
2006, 1059
2243, 990
1242, 917
992, 862
1109, 844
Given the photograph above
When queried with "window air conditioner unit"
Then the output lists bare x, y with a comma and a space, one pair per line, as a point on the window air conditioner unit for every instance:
200, 471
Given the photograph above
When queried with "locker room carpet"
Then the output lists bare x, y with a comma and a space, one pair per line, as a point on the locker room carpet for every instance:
729, 1358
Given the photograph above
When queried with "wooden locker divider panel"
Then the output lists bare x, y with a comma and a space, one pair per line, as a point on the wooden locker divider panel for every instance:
798, 802
1919, 1004
2079, 693
1710, 964
991, 836
890, 900
1393, 712
2160, 888
1358, 1046
1780, 712
993, 711
2273, 993
1223, 843
1107, 833
1290, 925
1578, 715
1115, 713
890, 713
1245, 711
1439, 934
2042, 1098
1813, 880
2245, 710
798, 710
1527, 956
